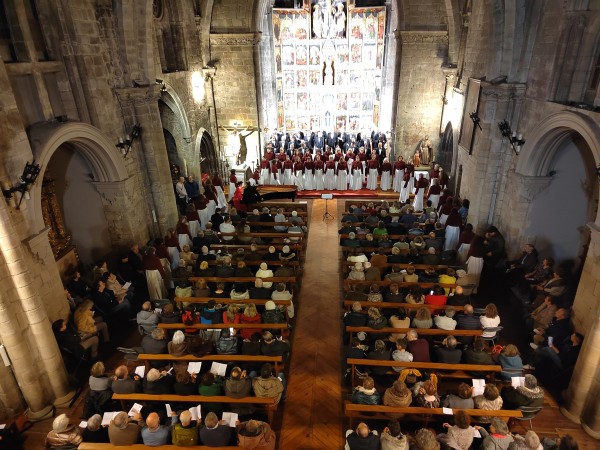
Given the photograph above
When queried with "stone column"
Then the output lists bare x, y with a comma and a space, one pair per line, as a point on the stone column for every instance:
25, 329
582, 394
142, 105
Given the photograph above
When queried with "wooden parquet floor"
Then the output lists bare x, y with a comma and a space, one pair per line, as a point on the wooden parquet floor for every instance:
312, 414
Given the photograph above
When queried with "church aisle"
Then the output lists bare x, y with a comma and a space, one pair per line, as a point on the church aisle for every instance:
312, 415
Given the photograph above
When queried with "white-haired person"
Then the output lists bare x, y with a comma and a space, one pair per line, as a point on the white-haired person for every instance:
215, 433
94, 431
265, 272
63, 435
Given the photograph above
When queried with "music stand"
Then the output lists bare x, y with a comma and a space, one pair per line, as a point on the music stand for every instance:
326, 215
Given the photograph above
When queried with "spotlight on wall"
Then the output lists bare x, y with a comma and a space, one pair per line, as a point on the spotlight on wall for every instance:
125, 144
515, 140
475, 118
30, 174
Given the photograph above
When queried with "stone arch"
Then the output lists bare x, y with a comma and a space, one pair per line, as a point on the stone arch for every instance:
211, 162
547, 138
99, 152
172, 100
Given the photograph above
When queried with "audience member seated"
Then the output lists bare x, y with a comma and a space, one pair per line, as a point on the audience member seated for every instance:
260, 291
154, 434
422, 318
147, 319
498, 436
362, 439
381, 353
446, 322
490, 319
560, 329
511, 362
94, 431
372, 273
448, 353
459, 436
63, 435
185, 382
528, 395
249, 316
239, 385
124, 383
211, 385
489, 400
542, 316
429, 275
256, 435
467, 321
155, 343
415, 293
477, 355
70, 341
215, 433
436, 297
87, 325
425, 440
272, 346
392, 437
377, 321
557, 356
158, 383
425, 394
419, 347
458, 298
184, 431
463, 399
399, 320
228, 343
400, 353
530, 441
366, 394
397, 395
267, 385
122, 430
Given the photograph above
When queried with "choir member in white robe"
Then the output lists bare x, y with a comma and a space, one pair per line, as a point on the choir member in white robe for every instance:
329, 179
319, 181
357, 175
342, 175
399, 167
373, 166
386, 175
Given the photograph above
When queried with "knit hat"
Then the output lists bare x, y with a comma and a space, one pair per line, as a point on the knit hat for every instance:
270, 305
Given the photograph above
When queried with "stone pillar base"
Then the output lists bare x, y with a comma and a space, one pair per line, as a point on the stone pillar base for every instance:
592, 433
45, 413
573, 418
64, 401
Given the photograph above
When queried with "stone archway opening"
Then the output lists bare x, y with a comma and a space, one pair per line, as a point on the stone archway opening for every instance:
177, 133
205, 149
444, 158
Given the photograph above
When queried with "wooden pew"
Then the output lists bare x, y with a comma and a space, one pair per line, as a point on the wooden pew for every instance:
449, 370
243, 279
228, 301
287, 206
403, 284
294, 264
420, 331
380, 412
268, 403
391, 237
350, 264
275, 360
390, 305
95, 446
221, 326
386, 250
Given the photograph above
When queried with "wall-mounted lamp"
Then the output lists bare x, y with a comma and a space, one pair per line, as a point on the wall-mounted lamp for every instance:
475, 118
163, 86
125, 144
30, 174
516, 140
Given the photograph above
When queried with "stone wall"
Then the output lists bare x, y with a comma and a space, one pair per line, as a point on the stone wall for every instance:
232, 16
421, 87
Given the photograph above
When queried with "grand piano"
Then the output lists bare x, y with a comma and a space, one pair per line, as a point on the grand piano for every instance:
276, 192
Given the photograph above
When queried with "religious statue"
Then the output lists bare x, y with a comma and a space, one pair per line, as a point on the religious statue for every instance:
328, 77
328, 25
241, 156
340, 21
426, 151
58, 237
317, 26
417, 158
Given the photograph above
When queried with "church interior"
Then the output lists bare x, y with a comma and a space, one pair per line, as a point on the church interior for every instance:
108, 102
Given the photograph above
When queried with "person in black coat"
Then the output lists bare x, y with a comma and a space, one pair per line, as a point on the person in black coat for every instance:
69, 340
95, 432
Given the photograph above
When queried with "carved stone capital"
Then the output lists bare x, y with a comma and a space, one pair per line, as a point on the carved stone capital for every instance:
424, 37
525, 187
450, 72
139, 95
39, 245
247, 39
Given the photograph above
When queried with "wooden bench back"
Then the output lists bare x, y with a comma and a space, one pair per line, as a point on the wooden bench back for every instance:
389, 305
222, 326
228, 301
